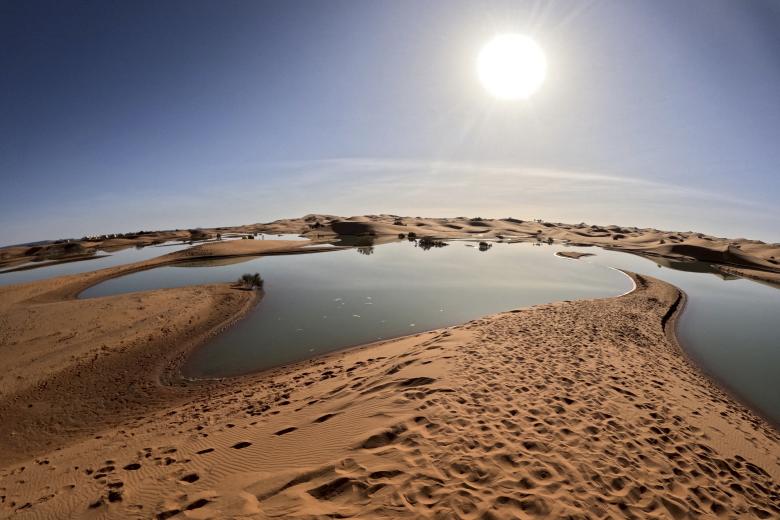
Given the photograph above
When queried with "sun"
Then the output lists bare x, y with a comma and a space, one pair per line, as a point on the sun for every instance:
511, 66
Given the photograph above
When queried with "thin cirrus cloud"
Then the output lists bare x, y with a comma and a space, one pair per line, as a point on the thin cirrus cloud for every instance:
349, 186
353, 186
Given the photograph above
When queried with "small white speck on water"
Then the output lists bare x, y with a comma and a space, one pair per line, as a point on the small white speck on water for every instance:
411, 325
356, 315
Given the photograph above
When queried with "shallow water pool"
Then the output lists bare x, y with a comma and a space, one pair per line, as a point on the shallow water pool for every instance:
321, 302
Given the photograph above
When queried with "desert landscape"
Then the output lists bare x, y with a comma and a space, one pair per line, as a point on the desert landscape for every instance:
581, 409
348, 259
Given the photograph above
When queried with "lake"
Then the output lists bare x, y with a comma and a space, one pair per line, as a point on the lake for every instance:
322, 302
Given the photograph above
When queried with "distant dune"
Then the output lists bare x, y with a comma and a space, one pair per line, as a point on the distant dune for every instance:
762, 259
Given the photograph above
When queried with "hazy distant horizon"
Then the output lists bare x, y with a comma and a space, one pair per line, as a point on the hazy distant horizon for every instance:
120, 116
350, 187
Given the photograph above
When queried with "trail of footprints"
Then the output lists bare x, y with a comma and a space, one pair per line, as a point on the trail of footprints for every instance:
553, 449
530, 430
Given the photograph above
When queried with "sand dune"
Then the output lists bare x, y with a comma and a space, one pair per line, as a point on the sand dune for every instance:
740, 253
578, 409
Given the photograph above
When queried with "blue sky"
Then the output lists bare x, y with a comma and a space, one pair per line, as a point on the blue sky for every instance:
118, 116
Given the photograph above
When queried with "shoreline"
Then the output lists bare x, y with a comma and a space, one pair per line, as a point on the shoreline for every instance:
170, 376
177, 376
77, 346
340, 394
749, 258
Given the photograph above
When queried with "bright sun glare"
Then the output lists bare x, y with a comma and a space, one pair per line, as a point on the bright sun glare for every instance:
511, 66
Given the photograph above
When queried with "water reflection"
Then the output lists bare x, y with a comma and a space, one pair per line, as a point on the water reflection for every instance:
326, 301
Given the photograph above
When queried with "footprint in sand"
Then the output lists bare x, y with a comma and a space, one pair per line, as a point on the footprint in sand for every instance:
190, 478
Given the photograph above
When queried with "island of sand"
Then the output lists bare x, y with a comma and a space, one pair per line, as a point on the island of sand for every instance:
584, 409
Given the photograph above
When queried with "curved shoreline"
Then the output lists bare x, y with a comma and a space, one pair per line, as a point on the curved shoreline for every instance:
102, 359
167, 374
552, 395
177, 375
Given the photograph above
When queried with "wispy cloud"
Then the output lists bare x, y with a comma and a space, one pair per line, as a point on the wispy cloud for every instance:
353, 186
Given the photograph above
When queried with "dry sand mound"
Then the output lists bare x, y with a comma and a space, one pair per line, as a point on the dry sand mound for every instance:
762, 259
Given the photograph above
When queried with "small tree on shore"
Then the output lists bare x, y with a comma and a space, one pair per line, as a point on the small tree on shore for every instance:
251, 281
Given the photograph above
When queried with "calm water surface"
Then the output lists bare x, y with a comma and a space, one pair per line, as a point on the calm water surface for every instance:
124, 256
326, 301
321, 302
121, 257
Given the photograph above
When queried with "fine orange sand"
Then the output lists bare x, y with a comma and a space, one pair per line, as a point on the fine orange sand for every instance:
71, 367
581, 409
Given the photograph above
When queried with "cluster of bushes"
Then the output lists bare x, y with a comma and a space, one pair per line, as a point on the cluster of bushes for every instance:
198, 234
109, 236
426, 243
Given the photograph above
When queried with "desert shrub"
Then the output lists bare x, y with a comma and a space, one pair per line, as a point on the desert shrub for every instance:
401, 236
73, 248
398, 222
484, 246
618, 236
250, 281
412, 235
197, 234
427, 243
